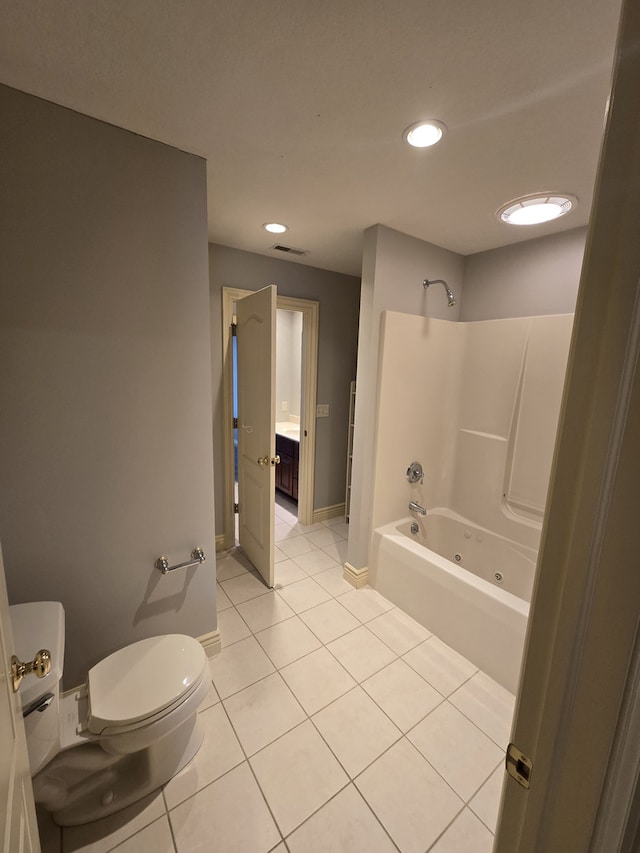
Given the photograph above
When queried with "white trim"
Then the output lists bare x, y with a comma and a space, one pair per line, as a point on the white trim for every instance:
579, 690
310, 324
615, 822
211, 643
356, 577
310, 320
327, 512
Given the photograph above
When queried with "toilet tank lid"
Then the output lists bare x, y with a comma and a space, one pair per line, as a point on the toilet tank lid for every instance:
142, 679
38, 625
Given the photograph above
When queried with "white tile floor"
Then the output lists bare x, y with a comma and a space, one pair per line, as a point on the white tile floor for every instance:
335, 723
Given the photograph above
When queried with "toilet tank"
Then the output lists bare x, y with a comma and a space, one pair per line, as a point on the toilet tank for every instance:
40, 625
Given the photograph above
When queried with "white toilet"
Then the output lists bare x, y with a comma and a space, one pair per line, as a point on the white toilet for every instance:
136, 720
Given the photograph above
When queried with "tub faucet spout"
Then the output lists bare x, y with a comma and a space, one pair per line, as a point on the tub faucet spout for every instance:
414, 507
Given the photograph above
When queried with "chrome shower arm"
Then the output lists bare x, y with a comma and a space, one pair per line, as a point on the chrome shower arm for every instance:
451, 300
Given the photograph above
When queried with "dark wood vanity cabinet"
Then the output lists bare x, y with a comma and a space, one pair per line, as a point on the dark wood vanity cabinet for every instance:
287, 471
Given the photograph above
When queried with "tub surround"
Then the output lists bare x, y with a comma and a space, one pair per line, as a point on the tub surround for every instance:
484, 400
477, 404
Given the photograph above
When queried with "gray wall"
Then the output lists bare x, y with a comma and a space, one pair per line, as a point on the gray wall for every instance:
339, 297
105, 434
526, 279
394, 267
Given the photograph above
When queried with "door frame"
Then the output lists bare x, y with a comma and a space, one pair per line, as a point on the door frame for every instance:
310, 310
18, 823
579, 696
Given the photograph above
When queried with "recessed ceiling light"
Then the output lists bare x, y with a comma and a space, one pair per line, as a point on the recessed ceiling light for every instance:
275, 227
534, 209
422, 134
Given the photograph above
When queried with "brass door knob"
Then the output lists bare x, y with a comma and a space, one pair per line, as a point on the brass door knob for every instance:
40, 665
275, 460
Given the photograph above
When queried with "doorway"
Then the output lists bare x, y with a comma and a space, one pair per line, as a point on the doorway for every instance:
288, 406
308, 310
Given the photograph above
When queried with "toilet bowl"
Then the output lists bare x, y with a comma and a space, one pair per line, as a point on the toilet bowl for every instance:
132, 727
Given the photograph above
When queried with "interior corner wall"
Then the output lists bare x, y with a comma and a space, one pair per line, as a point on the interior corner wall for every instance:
339, 297
394, 267
526, 279
105, 384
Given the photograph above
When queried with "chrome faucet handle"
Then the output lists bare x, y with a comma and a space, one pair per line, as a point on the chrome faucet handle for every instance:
415, 473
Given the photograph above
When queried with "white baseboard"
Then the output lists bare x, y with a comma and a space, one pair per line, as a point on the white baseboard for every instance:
327, 512
356, 577
211, 643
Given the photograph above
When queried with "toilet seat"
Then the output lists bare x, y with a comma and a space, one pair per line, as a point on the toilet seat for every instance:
143, 682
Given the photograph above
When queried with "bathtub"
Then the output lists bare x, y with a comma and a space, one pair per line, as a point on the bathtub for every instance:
469, 586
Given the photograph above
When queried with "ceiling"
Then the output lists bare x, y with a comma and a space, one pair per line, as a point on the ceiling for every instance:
299, 106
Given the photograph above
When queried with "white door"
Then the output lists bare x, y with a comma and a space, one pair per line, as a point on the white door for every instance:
256, 333
577, 717
18, 827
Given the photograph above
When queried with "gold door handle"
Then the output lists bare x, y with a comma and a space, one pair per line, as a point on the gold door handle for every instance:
275, 460
40, 665
263, 460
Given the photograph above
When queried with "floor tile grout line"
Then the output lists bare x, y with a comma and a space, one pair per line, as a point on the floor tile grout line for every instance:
170, 822
358, 680
252, 771
358, 683
339, 637
138, 831
205, 786
435, 769
315, 812
373, 699
352, 777
501, 746
333, 797
368, 805
402, 734
447, 699
446, 829
403, 657
278, 737
246, 761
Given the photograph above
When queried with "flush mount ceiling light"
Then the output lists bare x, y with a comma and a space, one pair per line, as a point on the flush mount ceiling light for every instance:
422, 134
275, 227
537, 208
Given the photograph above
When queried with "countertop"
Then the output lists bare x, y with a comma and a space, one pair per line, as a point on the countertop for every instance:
288, 429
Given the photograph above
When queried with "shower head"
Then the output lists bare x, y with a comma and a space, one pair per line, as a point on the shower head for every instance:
451, 300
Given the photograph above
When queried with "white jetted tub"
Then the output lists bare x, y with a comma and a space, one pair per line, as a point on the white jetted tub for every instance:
468, 586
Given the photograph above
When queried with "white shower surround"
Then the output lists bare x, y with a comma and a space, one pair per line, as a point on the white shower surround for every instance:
477, 404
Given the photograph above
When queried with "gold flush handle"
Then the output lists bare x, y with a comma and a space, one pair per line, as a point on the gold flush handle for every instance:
40, 666
263, 460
